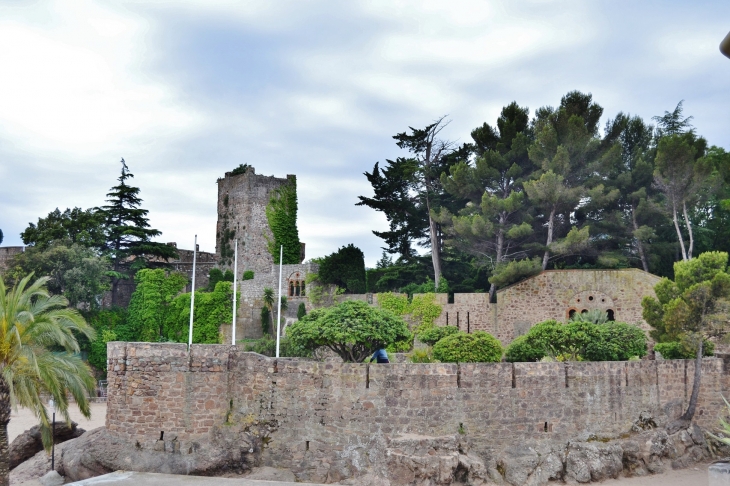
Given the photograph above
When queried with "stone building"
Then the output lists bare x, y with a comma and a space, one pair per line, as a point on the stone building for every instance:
7, 253
242, 201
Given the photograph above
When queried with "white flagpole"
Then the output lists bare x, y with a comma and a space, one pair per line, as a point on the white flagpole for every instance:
192, 295
235, 274
278, 307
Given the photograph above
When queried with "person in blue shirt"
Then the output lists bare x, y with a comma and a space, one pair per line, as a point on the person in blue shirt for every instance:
380, 356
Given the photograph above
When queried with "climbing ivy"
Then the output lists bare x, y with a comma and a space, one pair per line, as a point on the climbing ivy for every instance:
150, 304
281, 213
422, 311
211, 310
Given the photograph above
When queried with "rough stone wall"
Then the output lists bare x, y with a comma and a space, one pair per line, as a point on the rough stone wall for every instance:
7, 253
242, 201
328, 415
248, 320
552, 294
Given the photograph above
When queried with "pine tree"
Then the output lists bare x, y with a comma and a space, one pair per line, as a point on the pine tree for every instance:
128, 235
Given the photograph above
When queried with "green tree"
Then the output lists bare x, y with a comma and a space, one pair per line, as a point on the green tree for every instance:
494, 223
695, 306
75, 271
211, 310
344, 268
128, 235
352, 329
78, 226
301, 310
39, 357
269, 300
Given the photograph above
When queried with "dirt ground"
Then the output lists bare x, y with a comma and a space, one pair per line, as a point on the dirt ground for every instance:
22, 420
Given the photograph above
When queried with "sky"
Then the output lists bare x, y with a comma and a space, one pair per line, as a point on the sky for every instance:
188, 90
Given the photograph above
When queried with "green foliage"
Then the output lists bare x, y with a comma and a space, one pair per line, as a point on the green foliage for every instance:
281, 213
267, 346
301, 310
477, 347
617, 341
594, 316
425, 309
151, 303
515, 270
433, 334
40, 354
216, 275
211, 310
421, 356
97, 354
73, 226
265, 321
344, 268
396, 303
679, 350
75, 271
241, 169
352, 329
248, 275
578, 341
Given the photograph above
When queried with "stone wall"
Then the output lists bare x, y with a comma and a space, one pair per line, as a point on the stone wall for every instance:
324, 417
7, 253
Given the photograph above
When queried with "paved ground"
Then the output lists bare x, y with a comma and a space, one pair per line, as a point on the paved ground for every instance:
124, 478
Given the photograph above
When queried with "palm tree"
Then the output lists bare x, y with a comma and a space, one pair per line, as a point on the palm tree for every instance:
269, 300
39, 357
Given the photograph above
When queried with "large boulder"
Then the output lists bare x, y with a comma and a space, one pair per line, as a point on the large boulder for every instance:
29, 443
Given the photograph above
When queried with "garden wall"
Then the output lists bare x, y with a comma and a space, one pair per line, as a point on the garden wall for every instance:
320, 412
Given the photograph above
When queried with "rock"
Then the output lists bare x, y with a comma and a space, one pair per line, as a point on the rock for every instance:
52, 478
593, 461
518, 463
29, 443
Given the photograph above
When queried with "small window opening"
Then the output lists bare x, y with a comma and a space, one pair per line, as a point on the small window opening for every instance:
457, 321
546, 427
571, 313
611, 316
307, 445
590, 297
584, 311
468, 326
603, 300
291, 289
579, 301
162, 434
447, 318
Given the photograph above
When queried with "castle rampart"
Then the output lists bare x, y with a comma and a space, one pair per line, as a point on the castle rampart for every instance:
325, 415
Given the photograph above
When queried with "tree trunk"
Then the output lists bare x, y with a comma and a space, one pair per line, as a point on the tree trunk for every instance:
679, 233
500, 255
689, 230
435, 252
639, 244
551, 223
685, 420
4, 444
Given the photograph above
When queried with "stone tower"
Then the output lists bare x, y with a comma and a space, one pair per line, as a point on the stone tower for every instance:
242, 201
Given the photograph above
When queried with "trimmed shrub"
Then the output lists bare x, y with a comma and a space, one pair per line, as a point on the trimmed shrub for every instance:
478, 347
432, 335
522, 350
301, 310
541, 340
617, 341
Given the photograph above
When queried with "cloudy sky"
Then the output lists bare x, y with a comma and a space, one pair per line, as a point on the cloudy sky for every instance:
188, 90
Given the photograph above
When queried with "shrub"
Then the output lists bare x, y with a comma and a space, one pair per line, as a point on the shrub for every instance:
267, 346
678, 350
421, 356
432, 335
301, 310
478, 347
617, 341
352, 329
522, 349
248, 275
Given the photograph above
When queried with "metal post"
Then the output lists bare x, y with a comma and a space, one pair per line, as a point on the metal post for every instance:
235, 275
278, 307
53, 434
192, 295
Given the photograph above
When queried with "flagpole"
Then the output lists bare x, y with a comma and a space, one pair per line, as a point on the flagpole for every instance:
235, 275
192, 294
278, 307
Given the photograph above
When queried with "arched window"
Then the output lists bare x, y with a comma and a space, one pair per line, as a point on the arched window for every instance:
301, 286
611, 316
571, 313
291, 289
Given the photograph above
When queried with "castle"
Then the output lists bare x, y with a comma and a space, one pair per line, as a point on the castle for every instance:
553, 294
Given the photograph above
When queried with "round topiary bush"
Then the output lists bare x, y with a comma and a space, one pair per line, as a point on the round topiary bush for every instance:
522, 350
617, 341
540, 341
478, 347
432, 335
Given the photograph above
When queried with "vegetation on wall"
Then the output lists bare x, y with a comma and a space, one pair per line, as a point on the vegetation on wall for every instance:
248, 275
281, 213
241, 169
211, 310
216, 275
